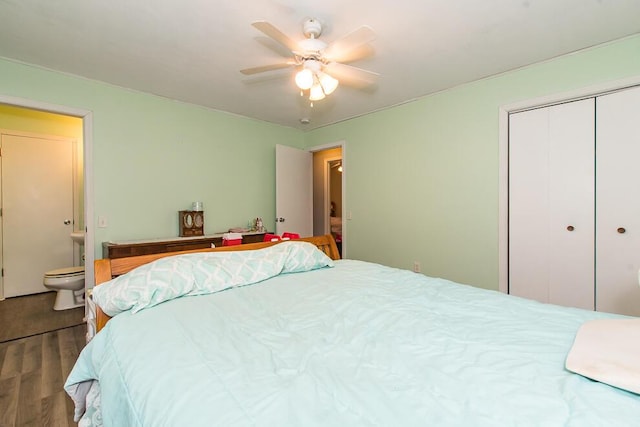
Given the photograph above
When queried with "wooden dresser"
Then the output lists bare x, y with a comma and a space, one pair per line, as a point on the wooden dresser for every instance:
120, 249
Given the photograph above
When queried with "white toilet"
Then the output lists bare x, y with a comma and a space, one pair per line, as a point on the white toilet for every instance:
69, 285
67, 282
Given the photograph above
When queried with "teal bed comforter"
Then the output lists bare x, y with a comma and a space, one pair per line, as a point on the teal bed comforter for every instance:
351, 344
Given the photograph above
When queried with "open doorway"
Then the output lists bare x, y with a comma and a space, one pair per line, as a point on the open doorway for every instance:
328, 197
41, 187
334, 191
32, 119
31, 110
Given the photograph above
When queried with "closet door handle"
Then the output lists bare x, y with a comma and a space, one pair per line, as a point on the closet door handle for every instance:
621, 230
570, 228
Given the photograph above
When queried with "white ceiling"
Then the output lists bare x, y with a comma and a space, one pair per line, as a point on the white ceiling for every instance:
192, 50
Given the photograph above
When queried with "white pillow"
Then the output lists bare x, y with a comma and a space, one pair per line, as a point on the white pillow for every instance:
608, 351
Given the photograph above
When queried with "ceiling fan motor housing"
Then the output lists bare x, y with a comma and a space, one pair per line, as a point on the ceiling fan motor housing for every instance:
312, 28
312, 48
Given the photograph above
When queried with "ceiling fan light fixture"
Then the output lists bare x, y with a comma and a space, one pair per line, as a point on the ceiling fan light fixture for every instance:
304, 79
316, 93
312, 55
328, 83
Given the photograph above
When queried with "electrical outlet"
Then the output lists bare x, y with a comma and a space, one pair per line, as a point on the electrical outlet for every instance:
416, 267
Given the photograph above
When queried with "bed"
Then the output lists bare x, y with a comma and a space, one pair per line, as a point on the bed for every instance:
286, 334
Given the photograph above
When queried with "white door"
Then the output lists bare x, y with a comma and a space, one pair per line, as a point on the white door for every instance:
294, 191
617, 203
551, 204
37, 210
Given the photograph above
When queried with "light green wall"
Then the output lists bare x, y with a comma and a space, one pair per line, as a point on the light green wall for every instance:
152, 156
422, 178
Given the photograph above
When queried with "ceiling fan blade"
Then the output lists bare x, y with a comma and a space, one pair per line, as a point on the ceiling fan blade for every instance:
361, 52
276, 34
340, 49
263, 68
350, 75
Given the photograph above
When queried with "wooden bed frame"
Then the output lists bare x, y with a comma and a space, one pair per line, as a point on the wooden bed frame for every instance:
106, 269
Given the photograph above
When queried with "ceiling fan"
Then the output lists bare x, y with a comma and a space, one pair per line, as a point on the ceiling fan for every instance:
321, 65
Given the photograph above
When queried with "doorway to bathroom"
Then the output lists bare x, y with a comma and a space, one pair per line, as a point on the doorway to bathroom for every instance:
38, 188
27, 315
42, 188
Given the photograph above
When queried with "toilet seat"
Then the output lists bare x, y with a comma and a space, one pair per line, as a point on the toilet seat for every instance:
65, 276
65, 272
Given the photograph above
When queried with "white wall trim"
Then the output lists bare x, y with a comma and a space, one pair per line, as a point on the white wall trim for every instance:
87, 130
327, 146
43, 106
503, 156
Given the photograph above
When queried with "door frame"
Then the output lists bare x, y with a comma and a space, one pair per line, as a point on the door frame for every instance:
503, 156
342, 144
87, 140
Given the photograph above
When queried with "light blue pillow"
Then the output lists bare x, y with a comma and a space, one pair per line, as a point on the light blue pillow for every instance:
304, 256
189, 274
204, 273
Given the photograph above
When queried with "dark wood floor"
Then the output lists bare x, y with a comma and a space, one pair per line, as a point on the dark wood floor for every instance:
32, 373
38, 347
34, 314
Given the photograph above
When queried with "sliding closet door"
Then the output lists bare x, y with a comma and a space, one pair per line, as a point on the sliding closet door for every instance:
551, 204
618, 202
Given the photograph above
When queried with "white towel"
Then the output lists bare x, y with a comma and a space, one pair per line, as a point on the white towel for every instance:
608, 351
